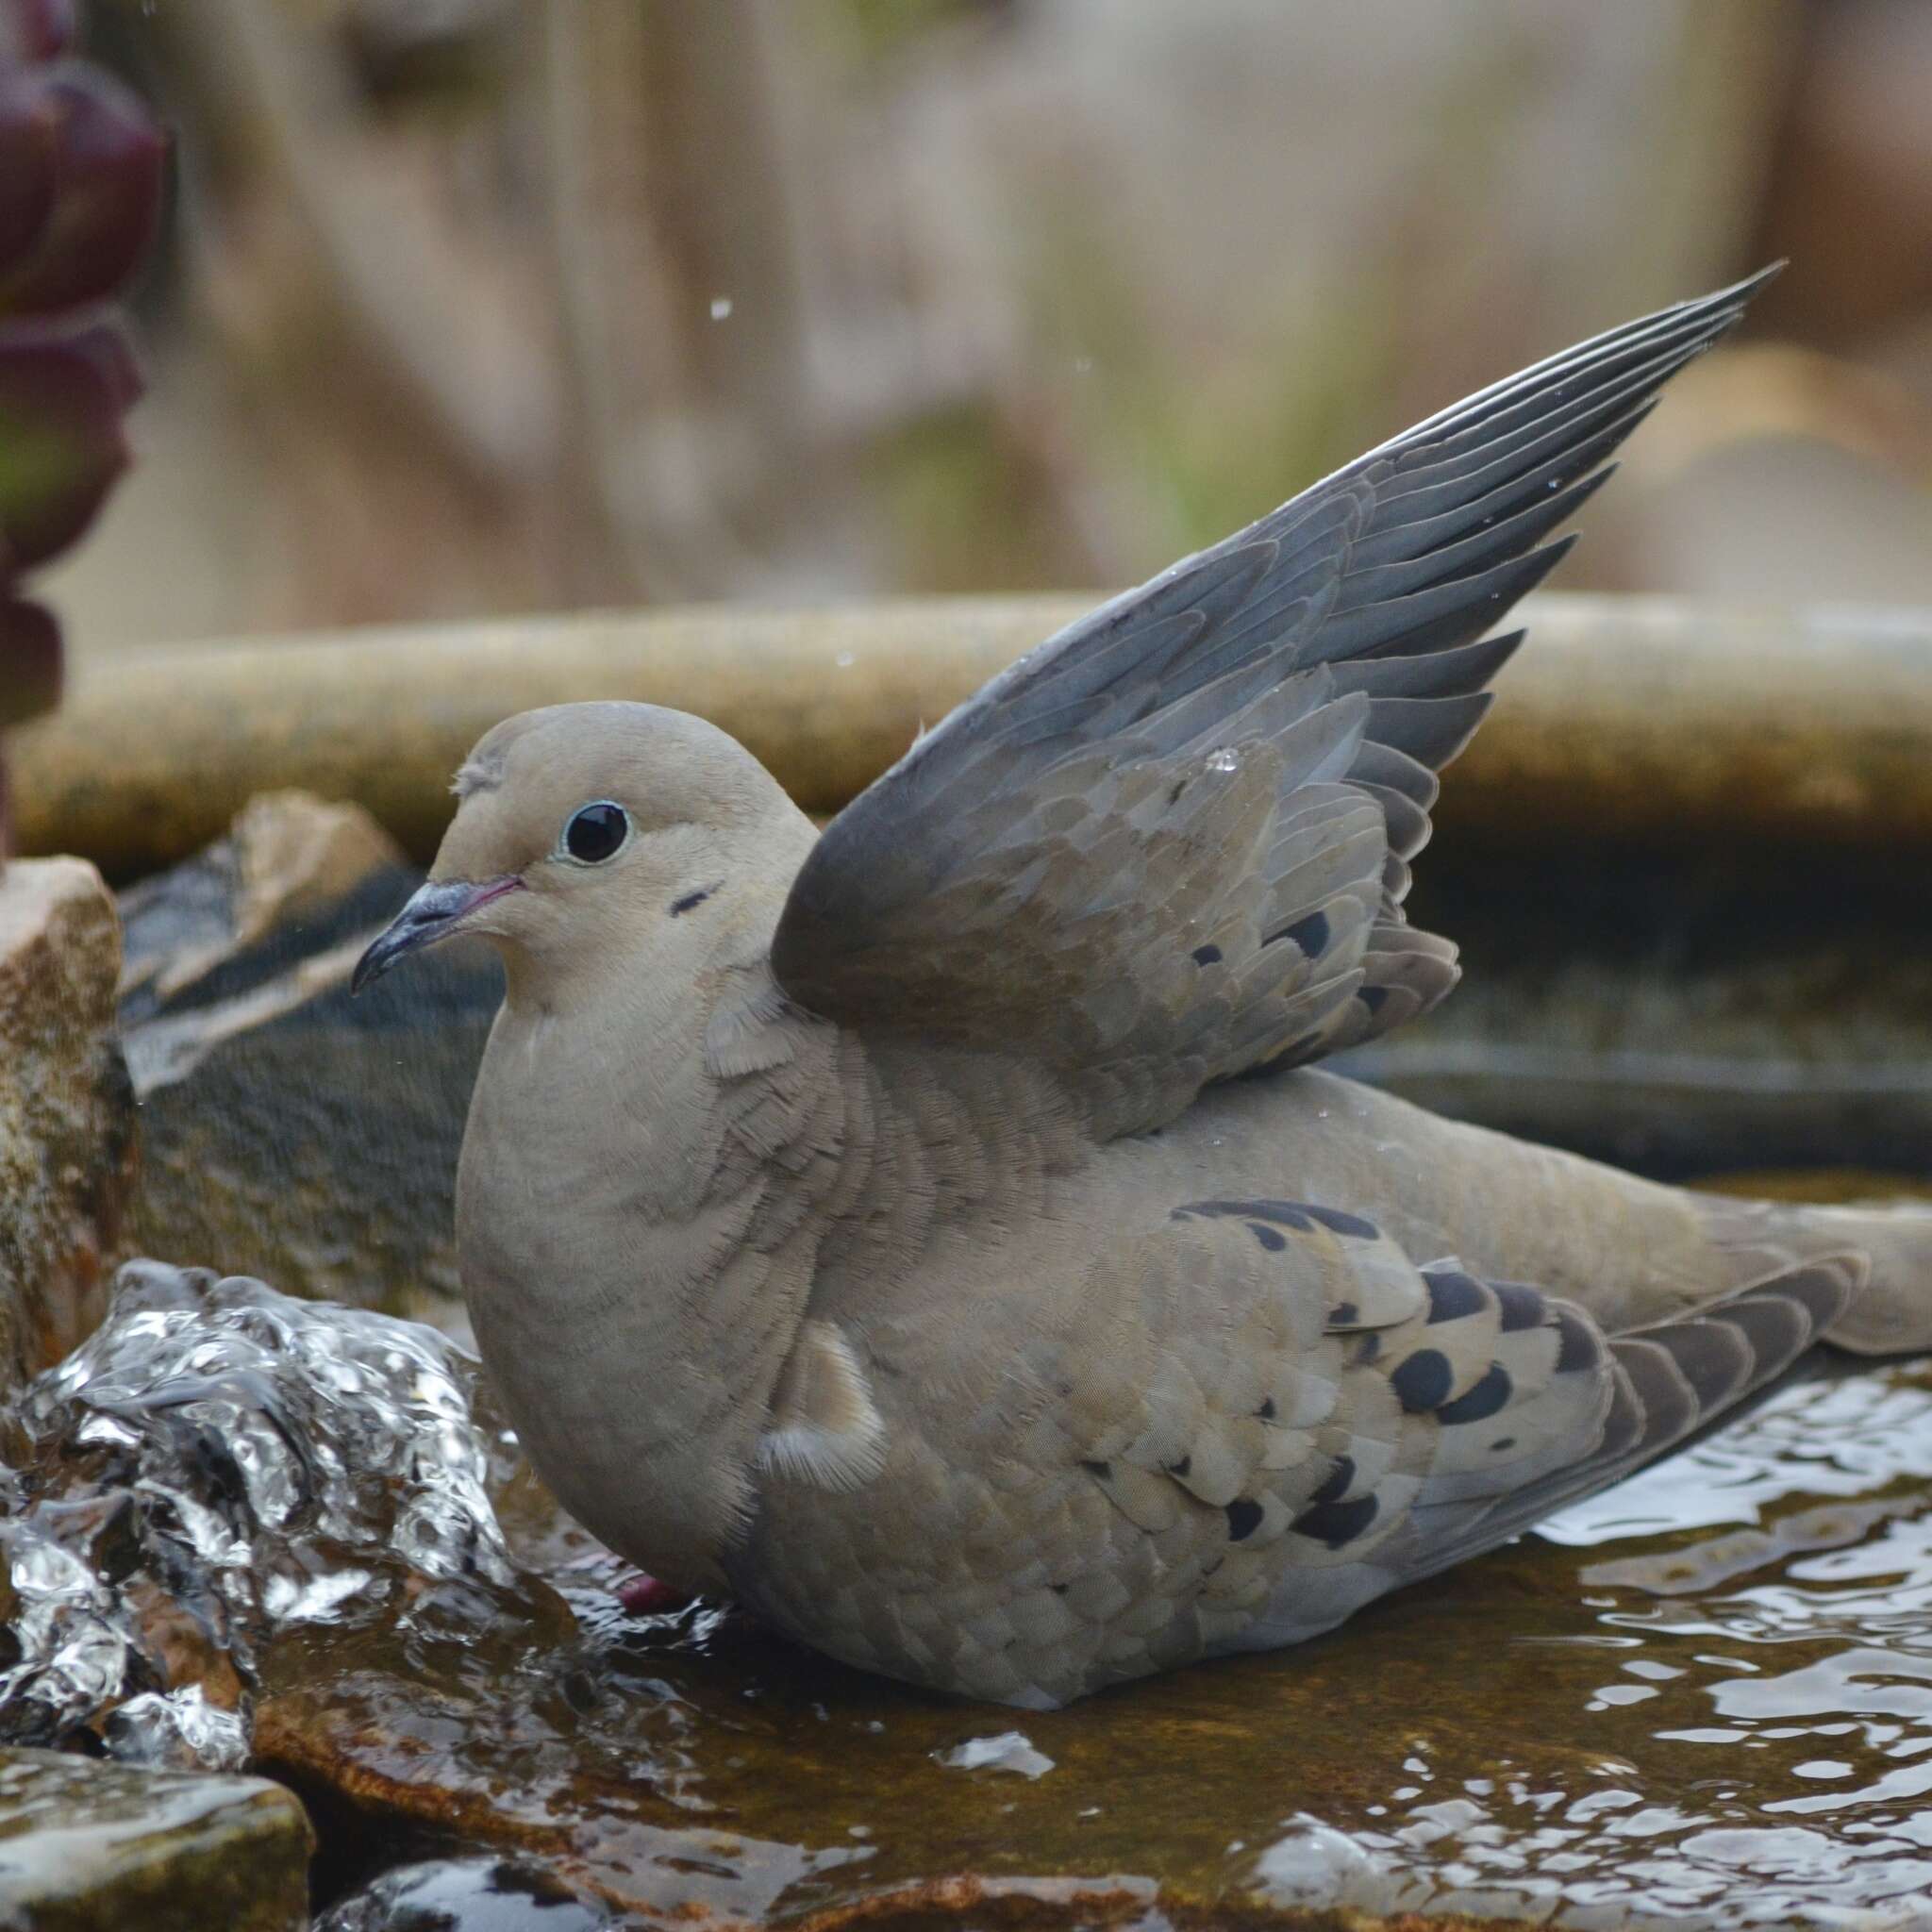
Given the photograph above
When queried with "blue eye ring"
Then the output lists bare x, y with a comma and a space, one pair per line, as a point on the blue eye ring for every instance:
596, 832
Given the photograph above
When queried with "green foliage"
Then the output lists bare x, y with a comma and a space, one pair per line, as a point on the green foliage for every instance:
878, 29
968, 508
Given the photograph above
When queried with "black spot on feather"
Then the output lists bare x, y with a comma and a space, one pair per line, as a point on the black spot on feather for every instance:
1579, 1348
1423, 1380
1334, 1484
1336, 1524
691, 900
1244, 1519
1452, 1294
1371, 998
1485, 1399
1310, 934
1178, 1470
1266, 1411
1206, 956
1343, 1315
1103, 1471
1522, 1307
1336, 1222
1271, 1237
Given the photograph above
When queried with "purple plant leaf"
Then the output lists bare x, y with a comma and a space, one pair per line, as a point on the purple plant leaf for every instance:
62, 445
31, 666
35, 29
107, 162
29, 122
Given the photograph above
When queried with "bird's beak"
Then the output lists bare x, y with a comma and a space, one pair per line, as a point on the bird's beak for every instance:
434, 911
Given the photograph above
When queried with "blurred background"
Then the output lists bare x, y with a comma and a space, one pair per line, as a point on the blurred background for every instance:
469, 306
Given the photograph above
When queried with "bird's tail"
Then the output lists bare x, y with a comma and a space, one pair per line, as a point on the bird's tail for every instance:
1893, 1313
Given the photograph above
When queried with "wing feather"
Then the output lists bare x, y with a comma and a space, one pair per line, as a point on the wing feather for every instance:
1299, 1398
1101, 859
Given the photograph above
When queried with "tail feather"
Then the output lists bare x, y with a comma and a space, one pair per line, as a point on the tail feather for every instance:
1893, 1314
1731, 1349
1670, 1379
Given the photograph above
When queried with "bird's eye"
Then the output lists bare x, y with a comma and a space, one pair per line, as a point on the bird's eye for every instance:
596, 832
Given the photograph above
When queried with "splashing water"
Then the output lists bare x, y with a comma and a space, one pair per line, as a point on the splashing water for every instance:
219, 1461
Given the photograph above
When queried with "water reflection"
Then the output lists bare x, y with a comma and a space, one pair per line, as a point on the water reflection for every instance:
1779, 1670
1844, 1429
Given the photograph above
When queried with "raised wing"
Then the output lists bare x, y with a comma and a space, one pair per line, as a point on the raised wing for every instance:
1171, 843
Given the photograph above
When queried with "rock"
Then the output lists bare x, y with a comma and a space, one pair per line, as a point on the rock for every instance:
287, 1132
88, 1847
290, 861
66, 1112
1676, 1013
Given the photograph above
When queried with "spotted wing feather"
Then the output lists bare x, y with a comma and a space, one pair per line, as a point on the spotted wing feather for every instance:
1302, 1419
1172, 845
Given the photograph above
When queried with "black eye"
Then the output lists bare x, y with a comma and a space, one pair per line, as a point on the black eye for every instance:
595, 833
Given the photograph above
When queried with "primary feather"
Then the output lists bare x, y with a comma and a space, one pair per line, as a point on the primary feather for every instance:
1217, 782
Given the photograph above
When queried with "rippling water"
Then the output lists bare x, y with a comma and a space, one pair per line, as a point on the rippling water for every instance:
1755, 1663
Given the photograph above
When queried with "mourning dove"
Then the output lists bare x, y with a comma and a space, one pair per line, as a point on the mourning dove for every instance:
930, 1233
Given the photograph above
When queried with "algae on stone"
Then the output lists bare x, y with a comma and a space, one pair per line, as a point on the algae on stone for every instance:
89, 1848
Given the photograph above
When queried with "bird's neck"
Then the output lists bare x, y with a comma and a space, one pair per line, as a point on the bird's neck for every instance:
633, 1226
644, 1211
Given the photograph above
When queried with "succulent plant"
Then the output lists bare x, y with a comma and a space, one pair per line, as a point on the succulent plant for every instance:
80, 187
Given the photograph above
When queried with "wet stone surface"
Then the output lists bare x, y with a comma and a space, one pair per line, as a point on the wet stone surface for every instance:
1681, 1011
97, 1848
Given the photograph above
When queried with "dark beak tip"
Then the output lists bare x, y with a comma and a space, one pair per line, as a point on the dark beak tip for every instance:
381, 955
435, 910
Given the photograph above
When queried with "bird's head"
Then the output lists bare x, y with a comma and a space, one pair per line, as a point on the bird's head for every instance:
594, 836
